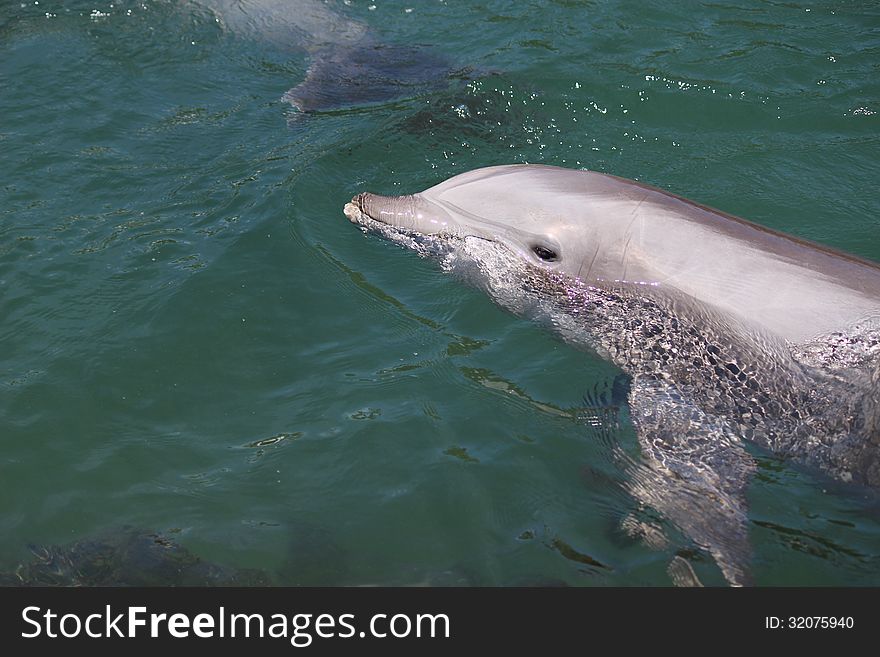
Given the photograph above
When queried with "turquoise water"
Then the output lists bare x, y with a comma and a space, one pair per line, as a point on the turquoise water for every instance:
194, 340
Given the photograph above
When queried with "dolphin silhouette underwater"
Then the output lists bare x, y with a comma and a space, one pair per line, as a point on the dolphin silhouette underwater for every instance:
731, 332
348, 67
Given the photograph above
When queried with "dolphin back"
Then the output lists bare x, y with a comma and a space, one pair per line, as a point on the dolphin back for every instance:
348, 66
303, 24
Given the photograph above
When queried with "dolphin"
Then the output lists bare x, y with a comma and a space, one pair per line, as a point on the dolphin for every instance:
348, 67
732, 333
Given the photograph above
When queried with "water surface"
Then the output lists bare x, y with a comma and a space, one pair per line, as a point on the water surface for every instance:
194, 340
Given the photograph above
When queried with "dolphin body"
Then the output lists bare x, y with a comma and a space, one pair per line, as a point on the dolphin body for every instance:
347, 66
731, 332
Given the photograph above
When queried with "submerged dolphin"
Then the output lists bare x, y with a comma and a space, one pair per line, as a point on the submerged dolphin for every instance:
347, 66
730, 331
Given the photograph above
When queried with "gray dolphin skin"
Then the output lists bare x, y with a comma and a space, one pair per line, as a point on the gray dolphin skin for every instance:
731, 332
348, 67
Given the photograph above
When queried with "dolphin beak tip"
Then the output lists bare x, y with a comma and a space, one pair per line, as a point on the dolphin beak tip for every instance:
356, 209
353, 212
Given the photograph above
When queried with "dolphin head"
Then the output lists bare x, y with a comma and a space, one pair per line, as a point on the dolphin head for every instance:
513, 207
551, 228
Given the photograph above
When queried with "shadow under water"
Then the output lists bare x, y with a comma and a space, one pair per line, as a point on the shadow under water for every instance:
127, 557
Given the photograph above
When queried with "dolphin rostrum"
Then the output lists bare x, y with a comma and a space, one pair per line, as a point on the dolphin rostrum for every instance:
731, 332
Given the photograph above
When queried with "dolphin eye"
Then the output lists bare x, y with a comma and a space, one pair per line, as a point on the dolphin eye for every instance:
545, 253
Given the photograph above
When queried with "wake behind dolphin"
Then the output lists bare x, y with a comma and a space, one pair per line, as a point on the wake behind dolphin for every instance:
731, 332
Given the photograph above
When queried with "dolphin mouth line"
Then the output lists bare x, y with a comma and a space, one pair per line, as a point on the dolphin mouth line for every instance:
361, 202
356, 212
422, 244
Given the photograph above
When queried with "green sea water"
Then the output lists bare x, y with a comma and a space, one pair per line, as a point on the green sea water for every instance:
194, 340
